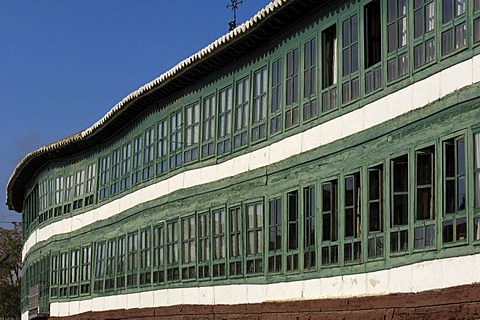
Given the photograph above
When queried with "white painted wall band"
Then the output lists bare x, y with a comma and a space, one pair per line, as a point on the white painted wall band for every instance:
423, 276
415, 96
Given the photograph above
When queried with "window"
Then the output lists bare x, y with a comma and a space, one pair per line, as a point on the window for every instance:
137, 161
275, 235
208, 129
242, 113
424, 32
224, 126
476, 179
162, 147
454, 26
397, 60
67, 207
63, 276
192, 132
115, 172
158, 255
110, 266
74, 272
148, 153
79, 189
329, 223
476, 21
144, 246
173, 273
85, 276
104, 177
99, 268
309, 211
188, 248
424, 232
353, 242
375, 212
277, 97
218, 234
399, 204
350, 78
235, 241
310, 79
90, 189
54, 277
259, 113
454, 188
254, 220
58, 196
121, 261
203, 245
329, 68
292, 232
176, 139
373, 46
291, 85
132, 259
126, 164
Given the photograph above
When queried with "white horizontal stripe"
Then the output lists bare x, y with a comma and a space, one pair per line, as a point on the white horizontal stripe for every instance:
389, 107
423, 276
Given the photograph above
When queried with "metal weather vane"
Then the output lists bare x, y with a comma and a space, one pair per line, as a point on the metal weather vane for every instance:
234, 6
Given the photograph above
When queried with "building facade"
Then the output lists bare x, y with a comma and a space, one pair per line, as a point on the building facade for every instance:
322, 160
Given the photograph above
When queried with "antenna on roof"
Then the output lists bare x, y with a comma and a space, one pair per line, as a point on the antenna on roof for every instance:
234, 6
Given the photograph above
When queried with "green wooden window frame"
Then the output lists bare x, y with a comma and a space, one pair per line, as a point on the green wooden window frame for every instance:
259, 107
372, 35
58, 199
476, 183
235, 241
68, 194
158, 254
276, 90
224, 121
397, 39
399, 207
424, 42
209, 108
175, 139
454, 26
293, 225
121, 262
132, 259
110, 265
172, 247
149, 154
90, 187
330, 223
104, 181
79, 190
203, 248
86, 270
310, 105
145, 266
309, 228
242, 113
126, 166
137, 160
329, 68
292, 84
189, 246
454, 226
350, 59
54, 276
352, 247
218, 243
98, 284
476, 21
375, 218
74, 272
192, 132
425, 208
115, 173
275, 232
162, 147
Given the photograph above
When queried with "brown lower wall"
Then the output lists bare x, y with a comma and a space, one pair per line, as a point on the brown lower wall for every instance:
461, 302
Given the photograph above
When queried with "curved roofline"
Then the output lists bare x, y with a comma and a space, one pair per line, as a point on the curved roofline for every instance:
26, 168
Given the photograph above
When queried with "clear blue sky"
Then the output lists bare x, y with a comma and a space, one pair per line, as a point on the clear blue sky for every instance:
65, 63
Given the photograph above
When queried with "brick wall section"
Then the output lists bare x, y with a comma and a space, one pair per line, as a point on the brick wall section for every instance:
461, 302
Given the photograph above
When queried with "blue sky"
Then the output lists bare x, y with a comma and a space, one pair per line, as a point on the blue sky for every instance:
65, 63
